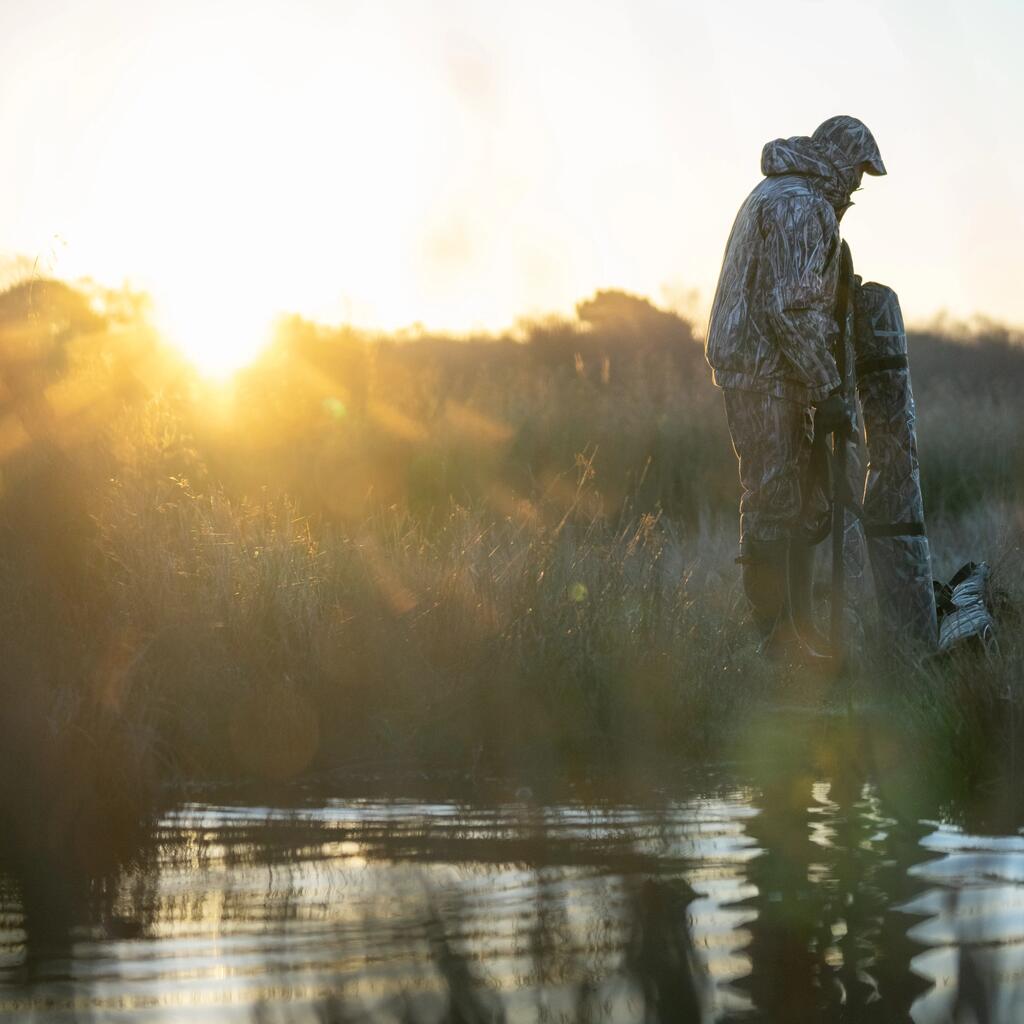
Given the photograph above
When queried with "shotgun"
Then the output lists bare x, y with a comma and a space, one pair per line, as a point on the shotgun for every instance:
841, 497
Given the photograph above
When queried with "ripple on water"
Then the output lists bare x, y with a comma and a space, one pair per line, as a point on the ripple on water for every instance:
380, 902
395, 908
972, 926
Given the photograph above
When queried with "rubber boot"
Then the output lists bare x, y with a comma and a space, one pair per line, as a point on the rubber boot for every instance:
766, 584
801, 604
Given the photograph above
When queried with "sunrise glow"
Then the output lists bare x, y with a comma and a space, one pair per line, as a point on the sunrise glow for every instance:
465, 165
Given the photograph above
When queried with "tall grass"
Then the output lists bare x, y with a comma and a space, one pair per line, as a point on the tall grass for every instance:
486, 555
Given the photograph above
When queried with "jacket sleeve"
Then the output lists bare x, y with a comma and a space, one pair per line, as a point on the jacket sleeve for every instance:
800, 244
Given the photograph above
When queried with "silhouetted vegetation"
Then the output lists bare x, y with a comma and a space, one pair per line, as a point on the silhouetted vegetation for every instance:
488, 555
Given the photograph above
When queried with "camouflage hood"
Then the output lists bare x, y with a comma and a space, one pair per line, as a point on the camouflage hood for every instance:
840, 150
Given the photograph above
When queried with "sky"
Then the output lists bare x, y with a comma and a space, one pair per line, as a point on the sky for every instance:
463, 164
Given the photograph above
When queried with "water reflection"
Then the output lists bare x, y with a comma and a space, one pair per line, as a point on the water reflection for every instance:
972, 921
798, 899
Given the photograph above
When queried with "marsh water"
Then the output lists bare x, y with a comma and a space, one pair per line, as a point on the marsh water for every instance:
757, 892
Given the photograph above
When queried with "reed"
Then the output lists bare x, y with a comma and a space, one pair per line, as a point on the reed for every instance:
493, 556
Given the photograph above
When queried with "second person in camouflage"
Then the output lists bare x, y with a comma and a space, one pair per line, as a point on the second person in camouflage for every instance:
770, 343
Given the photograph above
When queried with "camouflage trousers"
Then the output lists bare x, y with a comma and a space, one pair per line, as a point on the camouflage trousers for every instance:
782, 497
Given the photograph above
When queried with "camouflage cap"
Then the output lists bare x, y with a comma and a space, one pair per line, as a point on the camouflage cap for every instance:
853, 139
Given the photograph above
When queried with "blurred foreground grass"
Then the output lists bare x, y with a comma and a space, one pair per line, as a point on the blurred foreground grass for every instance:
491, 556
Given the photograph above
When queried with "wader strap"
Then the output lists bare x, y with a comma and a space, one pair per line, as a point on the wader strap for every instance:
894, 530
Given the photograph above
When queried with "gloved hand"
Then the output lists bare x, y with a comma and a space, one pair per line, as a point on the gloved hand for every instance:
832, 415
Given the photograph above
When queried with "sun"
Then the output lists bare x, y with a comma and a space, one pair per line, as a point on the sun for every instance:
219, 330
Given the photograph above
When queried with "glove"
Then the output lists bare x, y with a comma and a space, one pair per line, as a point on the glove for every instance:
833, 416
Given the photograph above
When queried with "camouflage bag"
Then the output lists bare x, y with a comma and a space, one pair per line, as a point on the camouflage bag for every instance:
893, 510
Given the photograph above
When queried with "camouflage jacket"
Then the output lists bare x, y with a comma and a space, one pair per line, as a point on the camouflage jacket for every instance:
772, 322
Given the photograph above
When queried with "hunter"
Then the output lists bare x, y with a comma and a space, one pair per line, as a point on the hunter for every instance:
771, 343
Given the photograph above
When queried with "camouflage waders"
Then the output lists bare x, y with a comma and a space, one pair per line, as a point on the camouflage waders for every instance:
781, 498
784, 512
786, 509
